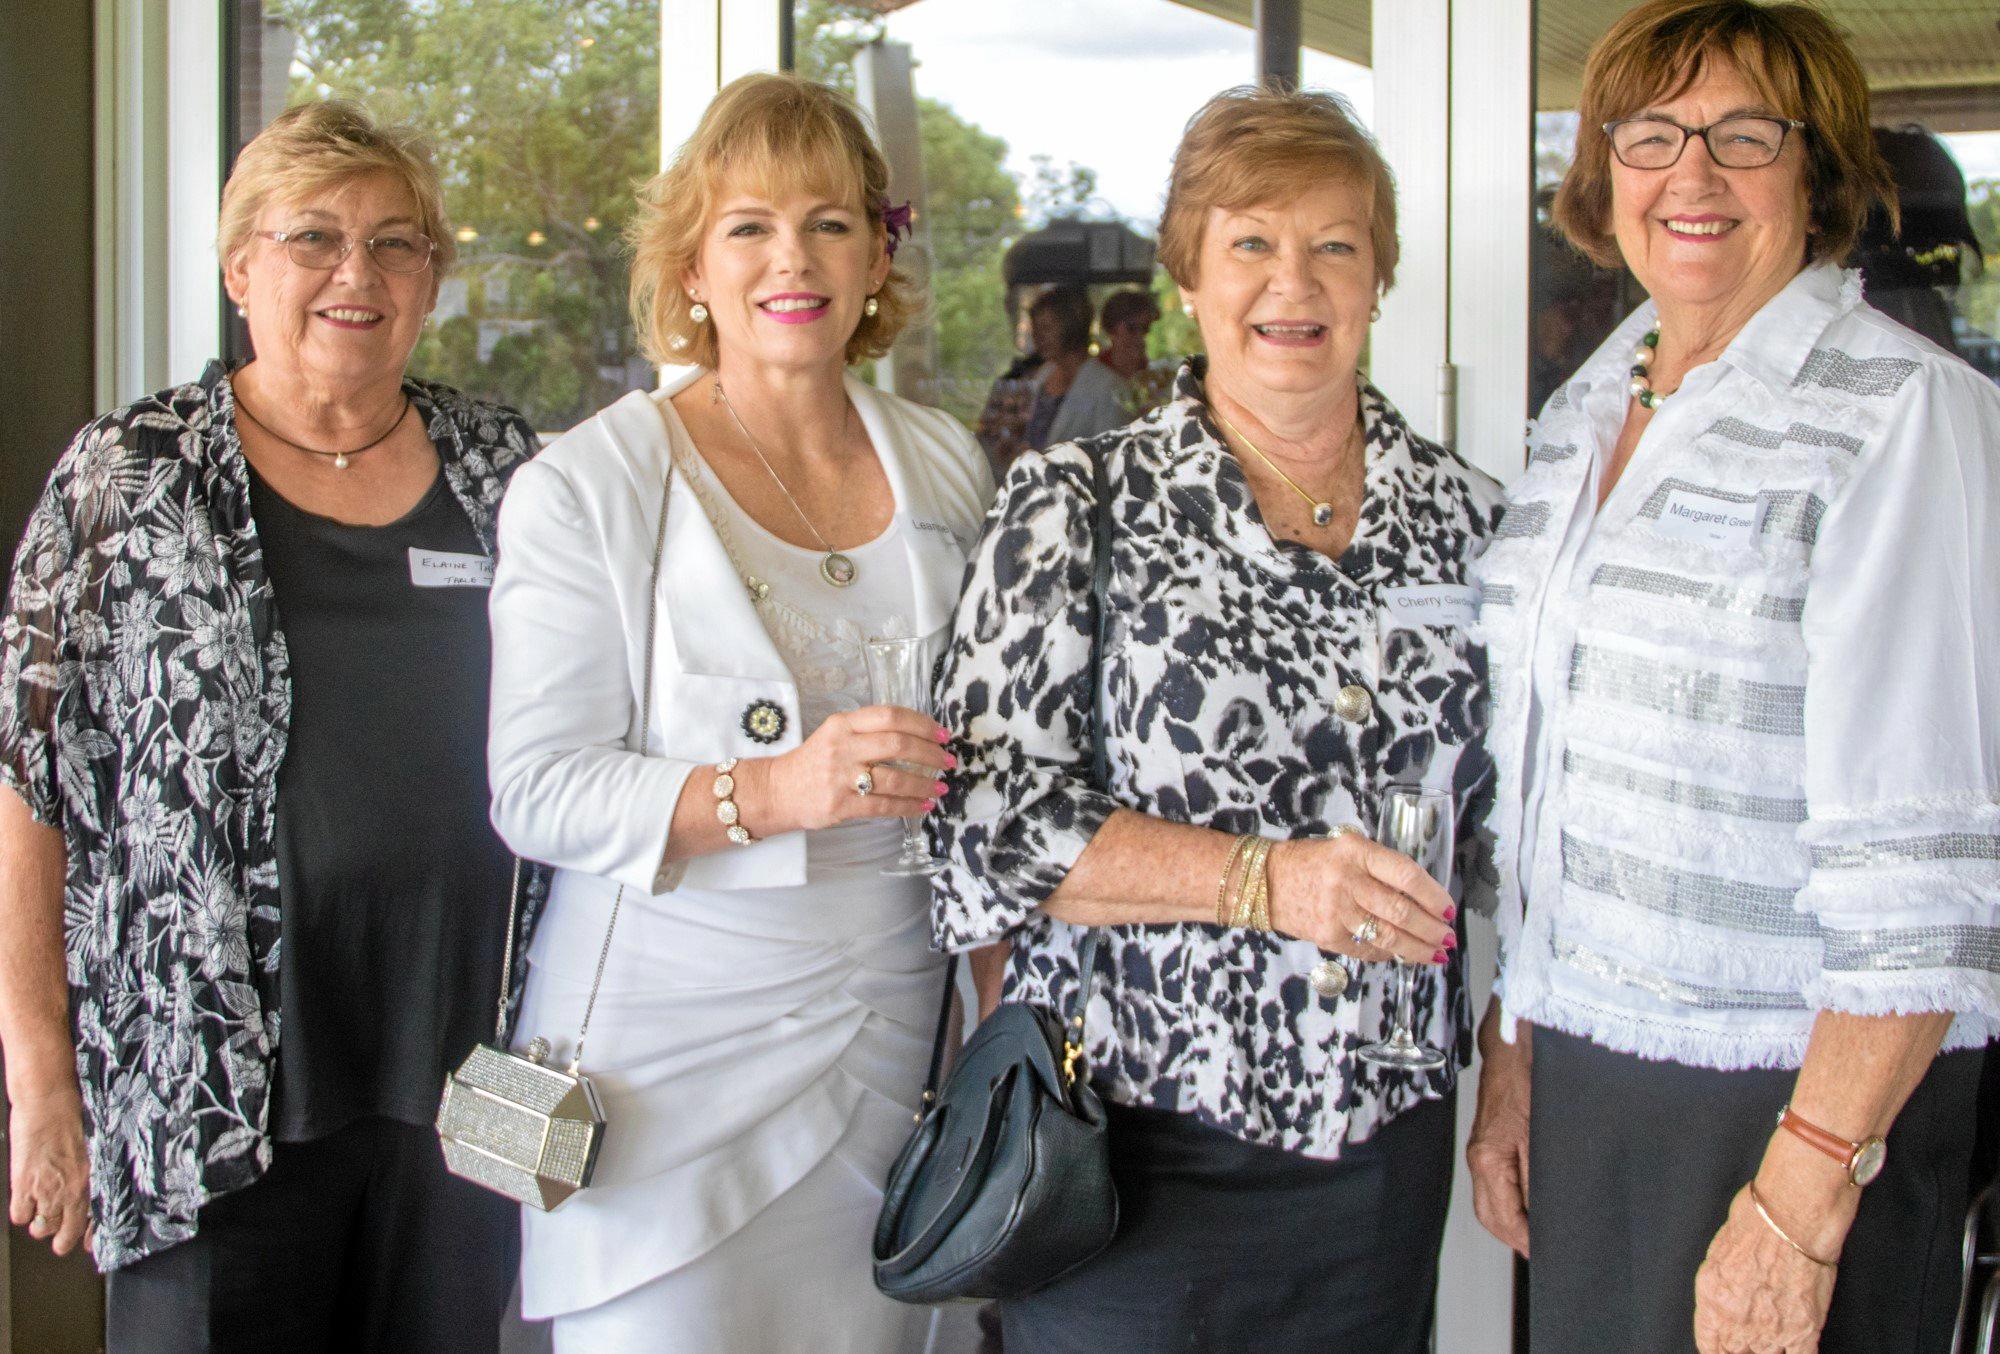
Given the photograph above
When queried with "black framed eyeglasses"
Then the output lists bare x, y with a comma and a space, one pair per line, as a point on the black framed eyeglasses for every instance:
323, 247
1747, 141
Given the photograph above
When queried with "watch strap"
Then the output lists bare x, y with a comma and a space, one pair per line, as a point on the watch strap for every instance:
1843, 1150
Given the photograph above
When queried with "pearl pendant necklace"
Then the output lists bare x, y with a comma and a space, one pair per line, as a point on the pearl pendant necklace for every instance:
1642, 360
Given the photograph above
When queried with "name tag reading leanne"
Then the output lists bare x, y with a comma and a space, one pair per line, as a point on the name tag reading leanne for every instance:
1440, 605
449, 569
1690, 515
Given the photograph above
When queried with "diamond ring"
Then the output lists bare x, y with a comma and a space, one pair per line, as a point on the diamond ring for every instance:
864, 784
1365, 934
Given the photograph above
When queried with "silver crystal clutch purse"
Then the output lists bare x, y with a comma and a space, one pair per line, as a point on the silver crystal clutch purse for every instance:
510, 1121
519, 1127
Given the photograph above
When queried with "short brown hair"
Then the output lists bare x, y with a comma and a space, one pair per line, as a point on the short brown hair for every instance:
1121, 306
1259, 144
763, 133
313, 148
1792, 57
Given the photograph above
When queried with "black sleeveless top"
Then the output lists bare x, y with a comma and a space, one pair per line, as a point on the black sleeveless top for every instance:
391, 881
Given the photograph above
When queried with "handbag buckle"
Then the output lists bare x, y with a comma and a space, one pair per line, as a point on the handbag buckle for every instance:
1073, 1051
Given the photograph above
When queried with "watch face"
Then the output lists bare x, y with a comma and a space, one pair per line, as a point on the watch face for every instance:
1868, 1161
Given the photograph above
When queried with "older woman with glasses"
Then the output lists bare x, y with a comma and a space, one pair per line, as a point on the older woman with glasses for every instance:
1740, 620
252, 911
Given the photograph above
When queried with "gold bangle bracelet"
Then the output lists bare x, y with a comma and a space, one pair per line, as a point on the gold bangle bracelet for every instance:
1253, 903
1224, 902
1784, 1236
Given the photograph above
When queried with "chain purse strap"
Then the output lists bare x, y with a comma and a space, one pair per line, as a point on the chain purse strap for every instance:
645, 736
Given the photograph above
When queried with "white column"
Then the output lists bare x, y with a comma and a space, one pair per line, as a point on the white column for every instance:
704, 44
1412, 119
159, 175
1492, 157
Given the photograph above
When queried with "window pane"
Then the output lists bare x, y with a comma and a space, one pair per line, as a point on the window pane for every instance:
544, 114
1046, 128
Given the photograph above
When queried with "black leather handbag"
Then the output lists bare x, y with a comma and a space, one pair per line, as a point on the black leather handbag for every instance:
1006, 1184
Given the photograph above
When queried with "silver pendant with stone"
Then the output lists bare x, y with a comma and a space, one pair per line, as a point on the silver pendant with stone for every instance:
1322, 514
837, 569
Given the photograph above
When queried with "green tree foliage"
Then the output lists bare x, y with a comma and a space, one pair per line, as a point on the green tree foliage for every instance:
1979, 300
545, 114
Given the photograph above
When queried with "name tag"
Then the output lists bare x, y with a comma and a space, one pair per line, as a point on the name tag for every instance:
448, 569
1442, 605
1693, 516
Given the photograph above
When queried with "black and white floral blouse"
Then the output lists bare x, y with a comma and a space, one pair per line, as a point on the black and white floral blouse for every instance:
1225, 656
144, 703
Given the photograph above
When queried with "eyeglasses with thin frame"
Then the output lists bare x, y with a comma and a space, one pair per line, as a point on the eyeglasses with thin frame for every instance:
1746, 141
324, 247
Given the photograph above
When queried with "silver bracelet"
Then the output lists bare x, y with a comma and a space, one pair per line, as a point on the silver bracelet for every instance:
726, 811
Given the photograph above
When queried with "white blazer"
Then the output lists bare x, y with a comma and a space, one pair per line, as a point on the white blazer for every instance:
569, 618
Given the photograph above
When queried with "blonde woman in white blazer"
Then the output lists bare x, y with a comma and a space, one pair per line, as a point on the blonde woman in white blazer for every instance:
760, 1035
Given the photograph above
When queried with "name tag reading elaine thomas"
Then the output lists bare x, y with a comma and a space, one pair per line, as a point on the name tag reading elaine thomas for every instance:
1443, 605
448, 569
1690, 515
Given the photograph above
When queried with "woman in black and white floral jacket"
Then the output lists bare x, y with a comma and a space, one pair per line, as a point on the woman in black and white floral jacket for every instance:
1287, 610
243, 684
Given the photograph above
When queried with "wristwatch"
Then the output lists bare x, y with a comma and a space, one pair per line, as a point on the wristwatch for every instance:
1861, 1160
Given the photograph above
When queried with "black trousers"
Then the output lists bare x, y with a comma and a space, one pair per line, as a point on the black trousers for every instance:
1631, 1168
1228, 1246
357, 1241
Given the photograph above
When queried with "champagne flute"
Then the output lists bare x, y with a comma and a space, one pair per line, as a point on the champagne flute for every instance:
1418, 823
899, 673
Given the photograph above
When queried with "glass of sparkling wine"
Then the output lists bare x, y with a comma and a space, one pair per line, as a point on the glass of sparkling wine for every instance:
899, 673
1418, 823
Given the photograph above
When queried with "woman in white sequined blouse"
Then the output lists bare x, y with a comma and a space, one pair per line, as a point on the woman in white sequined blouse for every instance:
1739, 616
760, 1037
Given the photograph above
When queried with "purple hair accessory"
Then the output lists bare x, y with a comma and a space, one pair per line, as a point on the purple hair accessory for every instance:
896, 224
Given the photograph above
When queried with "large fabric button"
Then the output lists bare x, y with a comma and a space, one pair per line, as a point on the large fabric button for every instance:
1353, 704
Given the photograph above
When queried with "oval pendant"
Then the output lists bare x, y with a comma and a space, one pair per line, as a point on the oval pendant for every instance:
340, 462
837, 569
1322, 514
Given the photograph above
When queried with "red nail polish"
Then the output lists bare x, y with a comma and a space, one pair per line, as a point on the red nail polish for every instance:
1438, 958
1451, 942
1451, 914
937, 787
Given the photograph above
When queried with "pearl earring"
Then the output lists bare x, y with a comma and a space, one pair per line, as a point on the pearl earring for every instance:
698, 313
242, 314
1375, 314
1187, 309
872, 308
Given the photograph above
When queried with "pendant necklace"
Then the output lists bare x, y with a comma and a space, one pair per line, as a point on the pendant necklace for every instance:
1322, 511
837, 569
339, 458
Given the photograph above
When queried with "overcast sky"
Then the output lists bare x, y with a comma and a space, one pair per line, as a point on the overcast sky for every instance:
1109, 83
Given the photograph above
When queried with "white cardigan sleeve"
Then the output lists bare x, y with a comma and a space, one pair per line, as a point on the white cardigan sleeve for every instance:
1903, 714
567, 788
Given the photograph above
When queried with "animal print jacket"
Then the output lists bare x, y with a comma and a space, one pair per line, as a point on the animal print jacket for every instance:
1226, 652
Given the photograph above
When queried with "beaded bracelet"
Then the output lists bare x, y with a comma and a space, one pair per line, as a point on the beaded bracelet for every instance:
726, 811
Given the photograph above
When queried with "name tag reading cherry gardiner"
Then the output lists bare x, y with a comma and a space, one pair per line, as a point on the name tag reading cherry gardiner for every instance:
1691, 515
1438, 605
449, 569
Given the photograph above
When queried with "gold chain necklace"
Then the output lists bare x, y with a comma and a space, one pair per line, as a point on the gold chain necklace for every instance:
1322, 511
837, 569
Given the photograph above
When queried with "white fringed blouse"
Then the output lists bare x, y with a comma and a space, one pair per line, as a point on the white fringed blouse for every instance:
1747, 715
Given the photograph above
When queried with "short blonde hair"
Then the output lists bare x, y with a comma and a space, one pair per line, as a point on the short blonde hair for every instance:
1796, 61
314, 148
765, 134
1260, 144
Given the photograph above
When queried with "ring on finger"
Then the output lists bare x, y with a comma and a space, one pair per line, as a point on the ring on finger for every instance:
42, 1220
1366, 933
864, 784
